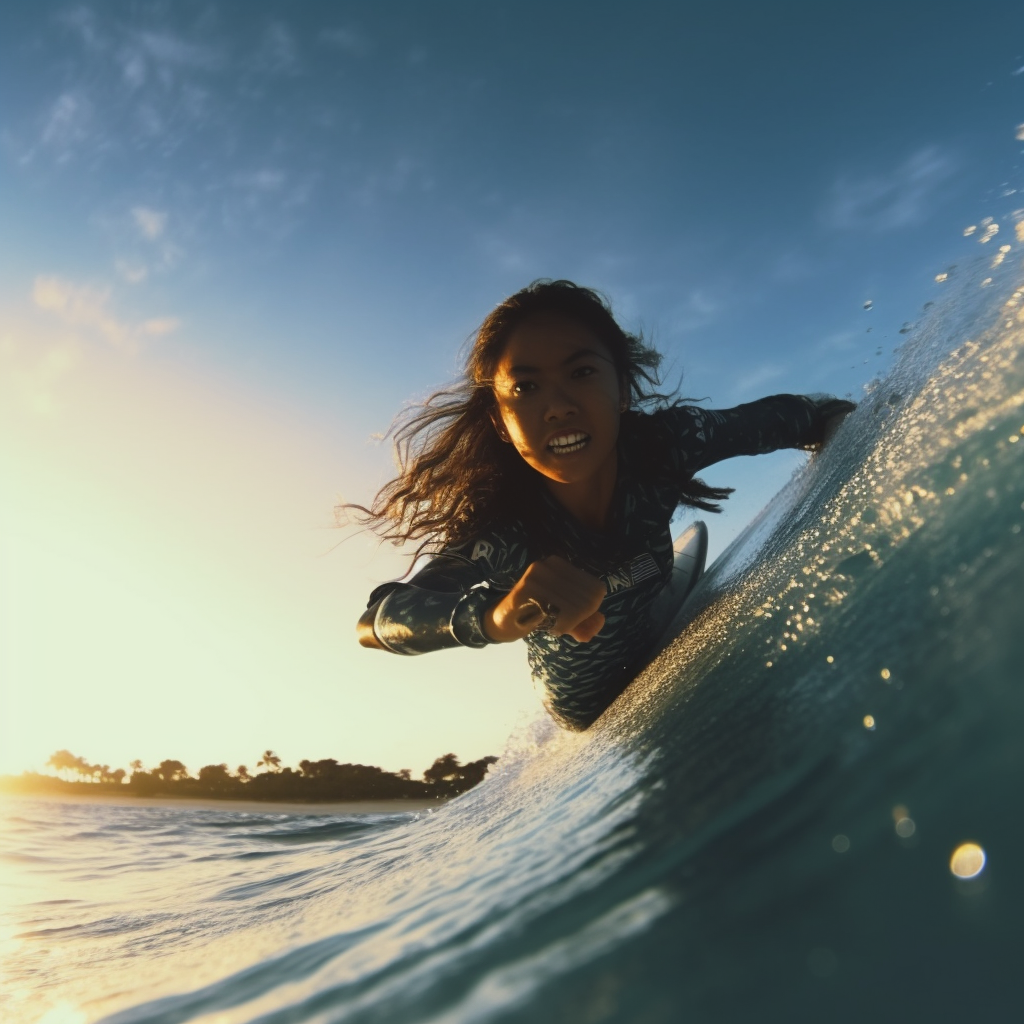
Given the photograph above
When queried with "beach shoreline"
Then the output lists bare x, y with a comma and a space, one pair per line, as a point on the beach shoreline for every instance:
234, 806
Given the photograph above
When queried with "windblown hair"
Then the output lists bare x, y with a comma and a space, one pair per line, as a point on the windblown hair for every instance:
457, 478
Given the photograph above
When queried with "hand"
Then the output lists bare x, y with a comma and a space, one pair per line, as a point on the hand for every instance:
550, 588
835, 410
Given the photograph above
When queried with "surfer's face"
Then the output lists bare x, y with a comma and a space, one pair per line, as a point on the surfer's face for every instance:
558, 399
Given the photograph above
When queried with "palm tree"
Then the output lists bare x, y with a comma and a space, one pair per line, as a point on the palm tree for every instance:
270, 759
136, 765
171, 771
67, 763
445, 767
242, 772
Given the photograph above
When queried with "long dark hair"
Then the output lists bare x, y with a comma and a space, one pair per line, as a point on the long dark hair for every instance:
457, 478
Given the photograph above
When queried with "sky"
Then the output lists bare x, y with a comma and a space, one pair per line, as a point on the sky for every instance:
235, 240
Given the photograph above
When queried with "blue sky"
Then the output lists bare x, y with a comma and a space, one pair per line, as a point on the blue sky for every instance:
237, 238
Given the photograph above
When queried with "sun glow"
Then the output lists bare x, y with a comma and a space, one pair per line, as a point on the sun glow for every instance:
169, 587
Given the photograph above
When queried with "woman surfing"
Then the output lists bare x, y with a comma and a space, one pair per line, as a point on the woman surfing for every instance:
543, 484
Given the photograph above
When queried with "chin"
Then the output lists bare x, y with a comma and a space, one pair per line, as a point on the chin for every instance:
567, 474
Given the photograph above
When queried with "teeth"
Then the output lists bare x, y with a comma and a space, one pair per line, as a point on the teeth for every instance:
568, 443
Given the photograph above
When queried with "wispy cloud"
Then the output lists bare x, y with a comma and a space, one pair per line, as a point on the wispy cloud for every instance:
88, 309
166, 51
164, 102
277, 52
67, 124
841, 341
884, 202
133, 273
151, 223
697, 310
791, 267
160, 84
82, 21
32, 367
345, 39
404, 174
267, 179
754, 380
159, 326
148, 226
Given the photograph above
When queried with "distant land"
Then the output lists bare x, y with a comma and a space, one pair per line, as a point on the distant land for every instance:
324, 781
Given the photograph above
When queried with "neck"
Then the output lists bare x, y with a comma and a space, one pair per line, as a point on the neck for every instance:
589, 501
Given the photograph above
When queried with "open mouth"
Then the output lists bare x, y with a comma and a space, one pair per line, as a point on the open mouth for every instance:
566, 444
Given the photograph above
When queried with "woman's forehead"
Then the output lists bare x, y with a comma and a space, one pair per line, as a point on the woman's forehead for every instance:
547, 341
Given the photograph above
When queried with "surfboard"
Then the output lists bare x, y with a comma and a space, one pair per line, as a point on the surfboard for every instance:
691, 552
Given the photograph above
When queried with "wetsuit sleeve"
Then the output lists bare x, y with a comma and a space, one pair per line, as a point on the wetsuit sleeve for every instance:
443, 605
706, 436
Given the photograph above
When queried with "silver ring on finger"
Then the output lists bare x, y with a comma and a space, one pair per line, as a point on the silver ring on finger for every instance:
551, 613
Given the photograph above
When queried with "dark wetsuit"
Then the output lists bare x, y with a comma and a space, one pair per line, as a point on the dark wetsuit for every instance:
443, 604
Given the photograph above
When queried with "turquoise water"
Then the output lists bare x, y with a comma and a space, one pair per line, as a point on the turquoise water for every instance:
761, 828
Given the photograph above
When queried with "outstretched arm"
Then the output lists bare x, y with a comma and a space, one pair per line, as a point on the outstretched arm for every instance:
441, 606
706, 436
451, 603
834, 411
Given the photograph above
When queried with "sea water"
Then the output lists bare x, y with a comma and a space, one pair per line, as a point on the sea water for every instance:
762, 828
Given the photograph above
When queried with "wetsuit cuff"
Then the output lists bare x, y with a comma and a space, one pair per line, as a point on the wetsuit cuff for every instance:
468, 615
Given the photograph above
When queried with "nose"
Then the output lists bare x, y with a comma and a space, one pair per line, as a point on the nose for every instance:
559, 406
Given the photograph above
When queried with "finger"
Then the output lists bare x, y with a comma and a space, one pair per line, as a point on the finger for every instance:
530, 616
586, 630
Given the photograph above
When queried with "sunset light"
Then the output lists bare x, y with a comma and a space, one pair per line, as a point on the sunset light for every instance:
511, 513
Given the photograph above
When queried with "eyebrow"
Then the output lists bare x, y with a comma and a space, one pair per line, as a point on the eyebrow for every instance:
578, 354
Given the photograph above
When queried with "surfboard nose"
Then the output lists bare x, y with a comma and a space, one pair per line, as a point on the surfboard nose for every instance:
690, 553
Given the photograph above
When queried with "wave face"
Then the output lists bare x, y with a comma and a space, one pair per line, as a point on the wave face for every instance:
760, 828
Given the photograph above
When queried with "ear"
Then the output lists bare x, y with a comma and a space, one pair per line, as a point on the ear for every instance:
499, 427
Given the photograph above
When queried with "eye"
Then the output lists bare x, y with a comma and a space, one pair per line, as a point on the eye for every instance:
520, 387
584, 371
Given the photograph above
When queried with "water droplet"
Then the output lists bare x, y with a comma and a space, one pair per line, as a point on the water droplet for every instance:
969, 230
885, 673
941, 277
830, 659
869, 723
968, 860
840, 843
869, 304
905, 828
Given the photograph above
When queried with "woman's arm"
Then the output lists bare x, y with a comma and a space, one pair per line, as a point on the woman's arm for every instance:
444, 604
706, 436
452, 603
440, 606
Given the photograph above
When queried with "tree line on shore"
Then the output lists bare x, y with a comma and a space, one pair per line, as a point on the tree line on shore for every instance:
313, 781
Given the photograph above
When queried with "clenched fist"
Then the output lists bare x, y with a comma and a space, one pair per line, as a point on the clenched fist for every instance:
553, 595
